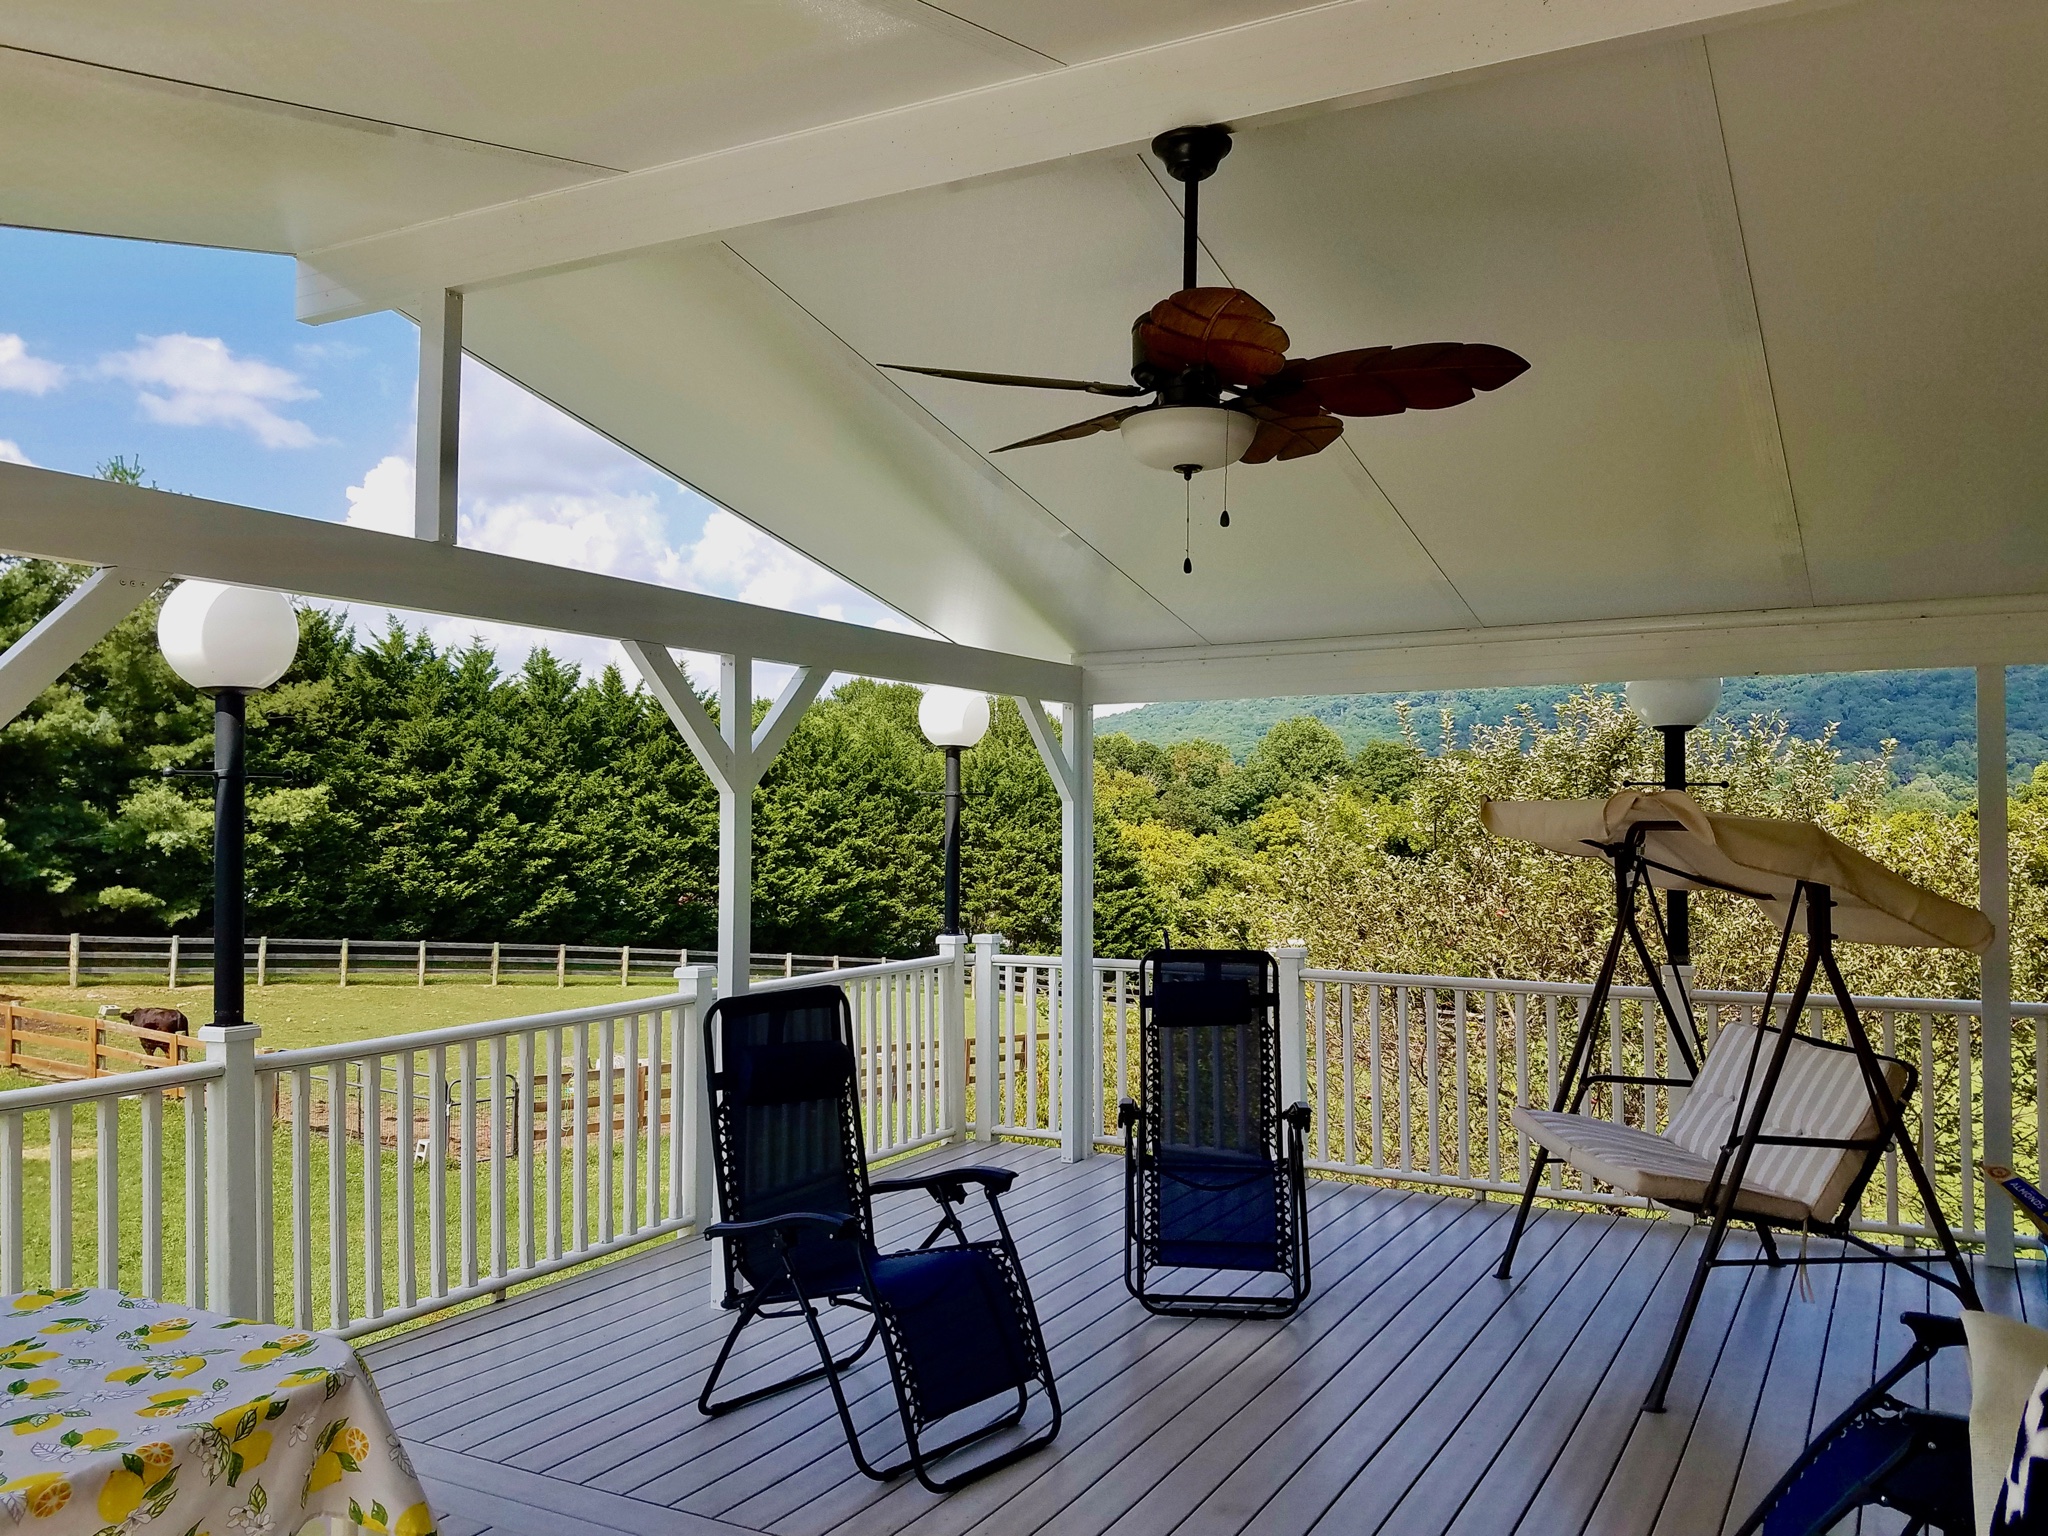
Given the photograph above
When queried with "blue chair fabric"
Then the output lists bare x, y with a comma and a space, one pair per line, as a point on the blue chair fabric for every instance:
955, 1318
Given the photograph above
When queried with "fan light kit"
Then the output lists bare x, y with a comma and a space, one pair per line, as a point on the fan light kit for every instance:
1215, 362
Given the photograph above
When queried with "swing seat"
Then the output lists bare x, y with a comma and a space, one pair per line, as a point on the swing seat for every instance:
1820, 1097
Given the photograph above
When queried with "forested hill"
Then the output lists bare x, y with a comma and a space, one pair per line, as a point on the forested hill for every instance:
1932, 715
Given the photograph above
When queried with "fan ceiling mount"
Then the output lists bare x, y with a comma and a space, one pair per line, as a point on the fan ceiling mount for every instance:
1215, 361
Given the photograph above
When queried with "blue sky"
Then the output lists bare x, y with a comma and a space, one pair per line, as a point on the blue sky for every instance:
189, 361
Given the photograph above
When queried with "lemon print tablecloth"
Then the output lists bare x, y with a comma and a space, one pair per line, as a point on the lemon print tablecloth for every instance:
118, 1413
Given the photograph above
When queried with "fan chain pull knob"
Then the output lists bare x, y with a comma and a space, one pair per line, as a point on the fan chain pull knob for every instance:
1224, 521
1187, 566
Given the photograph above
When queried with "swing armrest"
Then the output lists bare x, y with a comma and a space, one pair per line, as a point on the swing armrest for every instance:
1297, 1117
950, 1184
834, 1226
1128, 1114
1933, 1333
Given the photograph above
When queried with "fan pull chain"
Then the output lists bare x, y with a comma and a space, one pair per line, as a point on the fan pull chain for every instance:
1224, 520
1187, 503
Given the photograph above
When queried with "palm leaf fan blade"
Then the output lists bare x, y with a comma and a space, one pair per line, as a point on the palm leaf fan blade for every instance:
1067, 434
1283, 436
1225, 329
1018, 380
1385, 381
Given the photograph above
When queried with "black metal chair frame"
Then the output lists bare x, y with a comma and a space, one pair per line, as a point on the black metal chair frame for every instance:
788, 1297
1285, 1134
1925, 1471
1631, 878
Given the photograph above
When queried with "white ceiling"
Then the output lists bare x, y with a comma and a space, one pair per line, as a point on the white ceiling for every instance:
1779, 283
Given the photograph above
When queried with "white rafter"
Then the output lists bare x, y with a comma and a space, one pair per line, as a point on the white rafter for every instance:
1340, 54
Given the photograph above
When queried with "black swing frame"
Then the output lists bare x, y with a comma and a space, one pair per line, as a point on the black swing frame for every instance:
1631, 877
1140, 1133
790, 1298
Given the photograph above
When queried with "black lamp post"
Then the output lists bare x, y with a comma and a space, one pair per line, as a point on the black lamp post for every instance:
955, 719
230, 642
1674, 706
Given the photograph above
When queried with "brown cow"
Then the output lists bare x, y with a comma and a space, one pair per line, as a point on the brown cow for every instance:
167, 1021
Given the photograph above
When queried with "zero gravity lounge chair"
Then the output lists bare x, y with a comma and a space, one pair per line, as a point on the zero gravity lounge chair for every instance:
1213, 1173
1777, 1128
955, 1318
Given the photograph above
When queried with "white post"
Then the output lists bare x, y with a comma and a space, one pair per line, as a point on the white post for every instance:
263, 961
1994, 878
172, 978
440, 418
736, 826
953, 1033
344, 963
1081, 1011
1291, 957
423, 963
494, 960
625, 965
74, 960
987, 1070
233, 1173
700, 1171
561, 965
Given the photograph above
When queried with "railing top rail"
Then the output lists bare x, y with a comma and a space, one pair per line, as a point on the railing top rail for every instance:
1963, 1005
457, 1034
113, 1086
848, 973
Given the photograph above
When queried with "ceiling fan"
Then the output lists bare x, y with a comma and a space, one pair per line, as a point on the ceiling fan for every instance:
1225, 391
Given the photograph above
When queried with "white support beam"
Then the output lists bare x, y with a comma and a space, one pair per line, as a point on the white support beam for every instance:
1994, 895
1955, 632
94, 522
440, 417
665, 680
64, 634
1340, 54
1078, 1028
797, 695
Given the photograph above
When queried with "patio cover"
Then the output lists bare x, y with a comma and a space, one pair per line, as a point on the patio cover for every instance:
1691, 848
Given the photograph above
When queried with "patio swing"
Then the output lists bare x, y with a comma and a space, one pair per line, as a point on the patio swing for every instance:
1778, 1129
955, 1319
1213, 1169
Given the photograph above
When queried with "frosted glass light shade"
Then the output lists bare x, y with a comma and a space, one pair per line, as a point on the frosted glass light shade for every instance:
1682, 701
953, 717
217, 636
1173, 436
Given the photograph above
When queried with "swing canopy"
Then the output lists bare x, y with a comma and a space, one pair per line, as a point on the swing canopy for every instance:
1689, 848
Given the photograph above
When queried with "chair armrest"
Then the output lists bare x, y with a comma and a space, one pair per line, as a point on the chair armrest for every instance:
1932, 1333
835, 1226
1297, 1116
950, 1183
1128, 1114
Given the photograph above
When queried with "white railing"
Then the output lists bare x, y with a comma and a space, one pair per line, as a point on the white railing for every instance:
1411, 1079
1017, 1061
357, 1186
146, 1152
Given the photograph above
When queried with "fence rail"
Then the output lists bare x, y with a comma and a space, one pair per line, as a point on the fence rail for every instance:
181, 960
361, 1185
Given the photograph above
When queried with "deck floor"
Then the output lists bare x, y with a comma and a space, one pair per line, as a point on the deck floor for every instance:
1413, 1394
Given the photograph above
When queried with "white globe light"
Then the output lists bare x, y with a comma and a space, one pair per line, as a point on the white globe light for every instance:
217, 636
952, 717
1682, 701
1179, 436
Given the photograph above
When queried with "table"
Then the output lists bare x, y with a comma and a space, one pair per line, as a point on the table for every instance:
118, 1413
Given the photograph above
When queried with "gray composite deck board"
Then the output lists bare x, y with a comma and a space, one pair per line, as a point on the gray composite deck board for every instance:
1413, 1395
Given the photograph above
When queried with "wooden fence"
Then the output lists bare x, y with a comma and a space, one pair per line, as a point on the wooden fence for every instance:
173, 960
69, 1047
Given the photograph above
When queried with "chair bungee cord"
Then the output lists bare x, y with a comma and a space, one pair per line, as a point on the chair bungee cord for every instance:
1214, 1177
955, 1318
1779, 1129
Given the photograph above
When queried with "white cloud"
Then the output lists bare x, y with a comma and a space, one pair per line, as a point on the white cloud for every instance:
25, 374
198, 381
383, 501
10, 453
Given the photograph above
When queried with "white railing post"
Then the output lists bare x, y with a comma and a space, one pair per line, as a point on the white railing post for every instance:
234, 1172
988, 1071
1293, 1024
700, 983
953, 1034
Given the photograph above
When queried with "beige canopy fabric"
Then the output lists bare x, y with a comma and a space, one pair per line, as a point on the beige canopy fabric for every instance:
1759, 856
